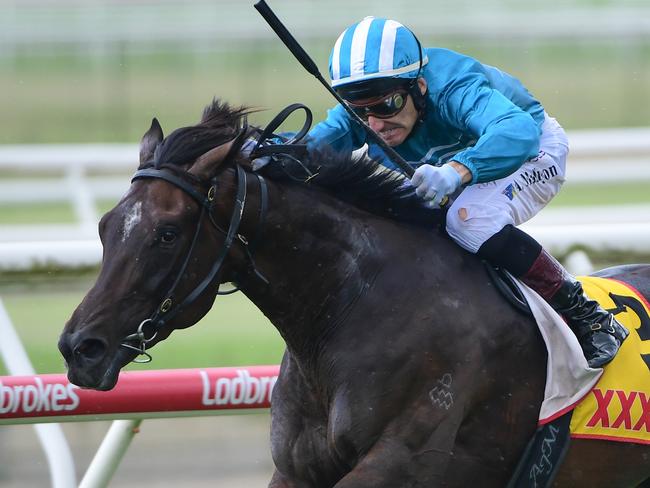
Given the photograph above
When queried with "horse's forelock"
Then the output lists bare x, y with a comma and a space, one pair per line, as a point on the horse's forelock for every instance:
222, 113
219, 123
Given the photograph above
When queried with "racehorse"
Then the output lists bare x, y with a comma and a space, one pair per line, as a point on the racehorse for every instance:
404, 366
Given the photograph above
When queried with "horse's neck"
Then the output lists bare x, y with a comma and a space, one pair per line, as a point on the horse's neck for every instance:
318, 256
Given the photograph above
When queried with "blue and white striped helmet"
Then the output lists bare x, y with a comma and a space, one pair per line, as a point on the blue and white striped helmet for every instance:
375, 48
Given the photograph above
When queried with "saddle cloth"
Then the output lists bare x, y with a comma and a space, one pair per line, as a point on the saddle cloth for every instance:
618, 407
611, 404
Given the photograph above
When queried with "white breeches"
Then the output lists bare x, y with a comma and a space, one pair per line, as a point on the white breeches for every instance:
482, 210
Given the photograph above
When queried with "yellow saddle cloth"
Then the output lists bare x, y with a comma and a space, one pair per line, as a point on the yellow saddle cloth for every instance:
618, 407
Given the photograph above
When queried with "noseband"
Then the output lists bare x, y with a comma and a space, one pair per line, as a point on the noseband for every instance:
170, 306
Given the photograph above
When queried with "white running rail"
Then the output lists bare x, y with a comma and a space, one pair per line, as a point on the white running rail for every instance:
82, 174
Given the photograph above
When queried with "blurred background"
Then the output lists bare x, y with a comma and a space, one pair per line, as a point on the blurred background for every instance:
80, 81
97, 71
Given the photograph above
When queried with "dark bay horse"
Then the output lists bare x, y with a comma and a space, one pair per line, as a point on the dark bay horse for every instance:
404, 367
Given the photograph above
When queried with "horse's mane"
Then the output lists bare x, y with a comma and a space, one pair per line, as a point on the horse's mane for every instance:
360, 181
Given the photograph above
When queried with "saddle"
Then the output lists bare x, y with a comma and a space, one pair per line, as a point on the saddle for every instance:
504, 282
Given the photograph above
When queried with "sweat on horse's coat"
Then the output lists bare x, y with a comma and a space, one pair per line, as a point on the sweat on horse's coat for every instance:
385, 381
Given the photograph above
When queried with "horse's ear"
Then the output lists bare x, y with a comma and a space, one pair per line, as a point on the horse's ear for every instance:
205, 165
150, 140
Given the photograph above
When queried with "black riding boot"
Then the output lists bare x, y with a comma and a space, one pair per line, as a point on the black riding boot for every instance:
600, 335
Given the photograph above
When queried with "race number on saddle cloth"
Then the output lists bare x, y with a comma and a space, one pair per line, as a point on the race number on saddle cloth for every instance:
610, 405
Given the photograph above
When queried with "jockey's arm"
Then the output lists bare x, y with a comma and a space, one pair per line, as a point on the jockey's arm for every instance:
506, 135
462, 170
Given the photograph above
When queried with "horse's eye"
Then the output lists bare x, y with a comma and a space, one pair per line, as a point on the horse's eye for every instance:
167, 237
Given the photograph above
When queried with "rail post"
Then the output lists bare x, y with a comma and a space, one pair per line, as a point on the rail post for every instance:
110, 453
51, 437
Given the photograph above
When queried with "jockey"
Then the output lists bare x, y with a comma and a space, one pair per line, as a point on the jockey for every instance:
475, 134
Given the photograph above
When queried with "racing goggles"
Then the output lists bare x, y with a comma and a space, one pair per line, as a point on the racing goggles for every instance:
382, 107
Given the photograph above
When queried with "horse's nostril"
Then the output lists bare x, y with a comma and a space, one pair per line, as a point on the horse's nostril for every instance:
90, 349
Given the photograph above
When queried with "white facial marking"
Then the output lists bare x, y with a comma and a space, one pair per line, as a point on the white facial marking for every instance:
131, 219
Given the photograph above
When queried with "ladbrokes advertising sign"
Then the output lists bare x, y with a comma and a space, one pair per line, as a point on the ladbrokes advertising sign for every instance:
25, 399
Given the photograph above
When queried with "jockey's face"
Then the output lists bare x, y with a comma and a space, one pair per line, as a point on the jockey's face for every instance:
394, 130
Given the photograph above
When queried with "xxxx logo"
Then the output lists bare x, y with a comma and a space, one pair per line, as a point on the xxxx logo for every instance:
625, 401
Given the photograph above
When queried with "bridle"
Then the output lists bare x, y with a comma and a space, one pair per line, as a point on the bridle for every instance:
170, 305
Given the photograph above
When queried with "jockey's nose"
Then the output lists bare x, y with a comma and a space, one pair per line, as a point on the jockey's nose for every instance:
82, 351
375, 123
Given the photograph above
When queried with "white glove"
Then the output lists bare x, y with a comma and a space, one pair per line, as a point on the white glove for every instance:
256, 163
434, 183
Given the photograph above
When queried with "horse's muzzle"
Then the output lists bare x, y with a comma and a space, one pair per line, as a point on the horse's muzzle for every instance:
86, 358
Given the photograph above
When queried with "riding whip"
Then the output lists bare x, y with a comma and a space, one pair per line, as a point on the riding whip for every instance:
304, 59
